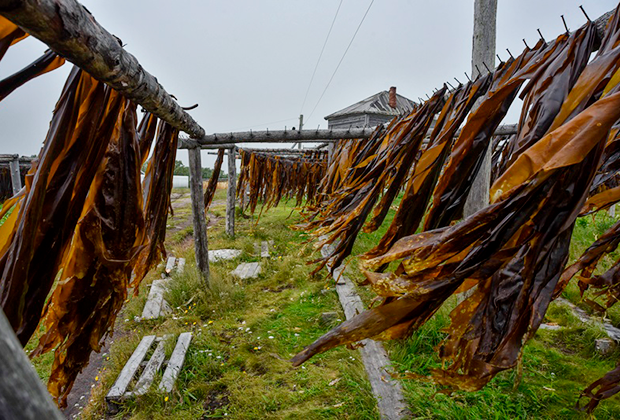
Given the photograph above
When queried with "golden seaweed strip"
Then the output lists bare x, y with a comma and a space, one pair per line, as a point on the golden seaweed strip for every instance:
75, 145
470, 148
547, 90
427, 168
97, 267
516, 247
377, 175
156, 186
212, 186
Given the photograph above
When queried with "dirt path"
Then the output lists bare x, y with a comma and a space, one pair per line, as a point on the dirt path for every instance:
85, 382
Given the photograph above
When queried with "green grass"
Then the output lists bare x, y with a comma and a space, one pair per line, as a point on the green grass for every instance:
234, 369
244, 334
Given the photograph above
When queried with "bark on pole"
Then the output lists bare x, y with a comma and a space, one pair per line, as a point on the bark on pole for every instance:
22, 394
198, 211
230, 193
483, 52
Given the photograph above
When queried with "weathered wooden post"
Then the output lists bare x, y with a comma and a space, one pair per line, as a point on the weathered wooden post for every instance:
22, 394
230, 196
483, 53
16, 180
198, 210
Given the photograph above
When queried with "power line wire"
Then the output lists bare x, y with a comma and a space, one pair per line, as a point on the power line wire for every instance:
319, 59
343, 55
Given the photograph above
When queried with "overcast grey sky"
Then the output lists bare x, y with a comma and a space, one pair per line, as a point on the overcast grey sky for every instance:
248, 63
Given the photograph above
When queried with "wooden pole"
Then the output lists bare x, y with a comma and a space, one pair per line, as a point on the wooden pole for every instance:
22, 394
198, 210
279, 136
16, 180
71, 31
230, 194
483, 54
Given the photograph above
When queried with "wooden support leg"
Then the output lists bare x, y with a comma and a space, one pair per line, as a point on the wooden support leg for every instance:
16, 179
22, 394
230, 198
198, 211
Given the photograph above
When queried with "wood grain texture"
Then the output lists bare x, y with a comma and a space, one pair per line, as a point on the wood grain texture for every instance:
22, 394
198, 211
387, 391
129, 370
231, 192
176, 362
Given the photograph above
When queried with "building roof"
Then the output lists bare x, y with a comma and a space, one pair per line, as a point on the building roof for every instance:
376, 104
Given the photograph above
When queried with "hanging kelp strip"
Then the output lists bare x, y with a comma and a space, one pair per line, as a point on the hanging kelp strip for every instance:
470, 148
426, 170
212, 186
81, 128
97, 268
269, 177
379, 172
146, 134
547, 90
46, 63
157, 186
516, 249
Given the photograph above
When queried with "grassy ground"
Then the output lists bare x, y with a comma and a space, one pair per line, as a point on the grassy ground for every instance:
245, 331
557, 365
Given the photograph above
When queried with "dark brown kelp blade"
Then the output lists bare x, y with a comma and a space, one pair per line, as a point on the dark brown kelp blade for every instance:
513, 230
75, 144
212, 186
156, 187
97, 268
428, 167
470, 148
46, 63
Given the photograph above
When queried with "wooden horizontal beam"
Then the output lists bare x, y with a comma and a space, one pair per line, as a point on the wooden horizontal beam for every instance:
72, 32
281, 136
226, 141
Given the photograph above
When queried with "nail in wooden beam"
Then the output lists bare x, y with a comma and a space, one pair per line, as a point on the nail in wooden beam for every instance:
230, 196
16, 180
198, 211
22, 394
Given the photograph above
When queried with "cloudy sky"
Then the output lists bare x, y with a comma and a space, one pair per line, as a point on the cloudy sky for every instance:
248, 63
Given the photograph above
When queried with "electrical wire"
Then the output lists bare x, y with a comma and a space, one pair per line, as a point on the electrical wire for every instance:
264, 124
341, 59
320, 55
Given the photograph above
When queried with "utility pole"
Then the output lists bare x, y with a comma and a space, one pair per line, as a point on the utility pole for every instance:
301, 125
483, 53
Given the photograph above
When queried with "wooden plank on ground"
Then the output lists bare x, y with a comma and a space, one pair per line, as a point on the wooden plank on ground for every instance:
387, 391
176, 362
153, 307
181, 265
151, 368
247, 270
124, 378
170, 264
264, 249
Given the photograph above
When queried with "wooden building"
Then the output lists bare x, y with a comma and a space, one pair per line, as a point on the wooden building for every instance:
372, 111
